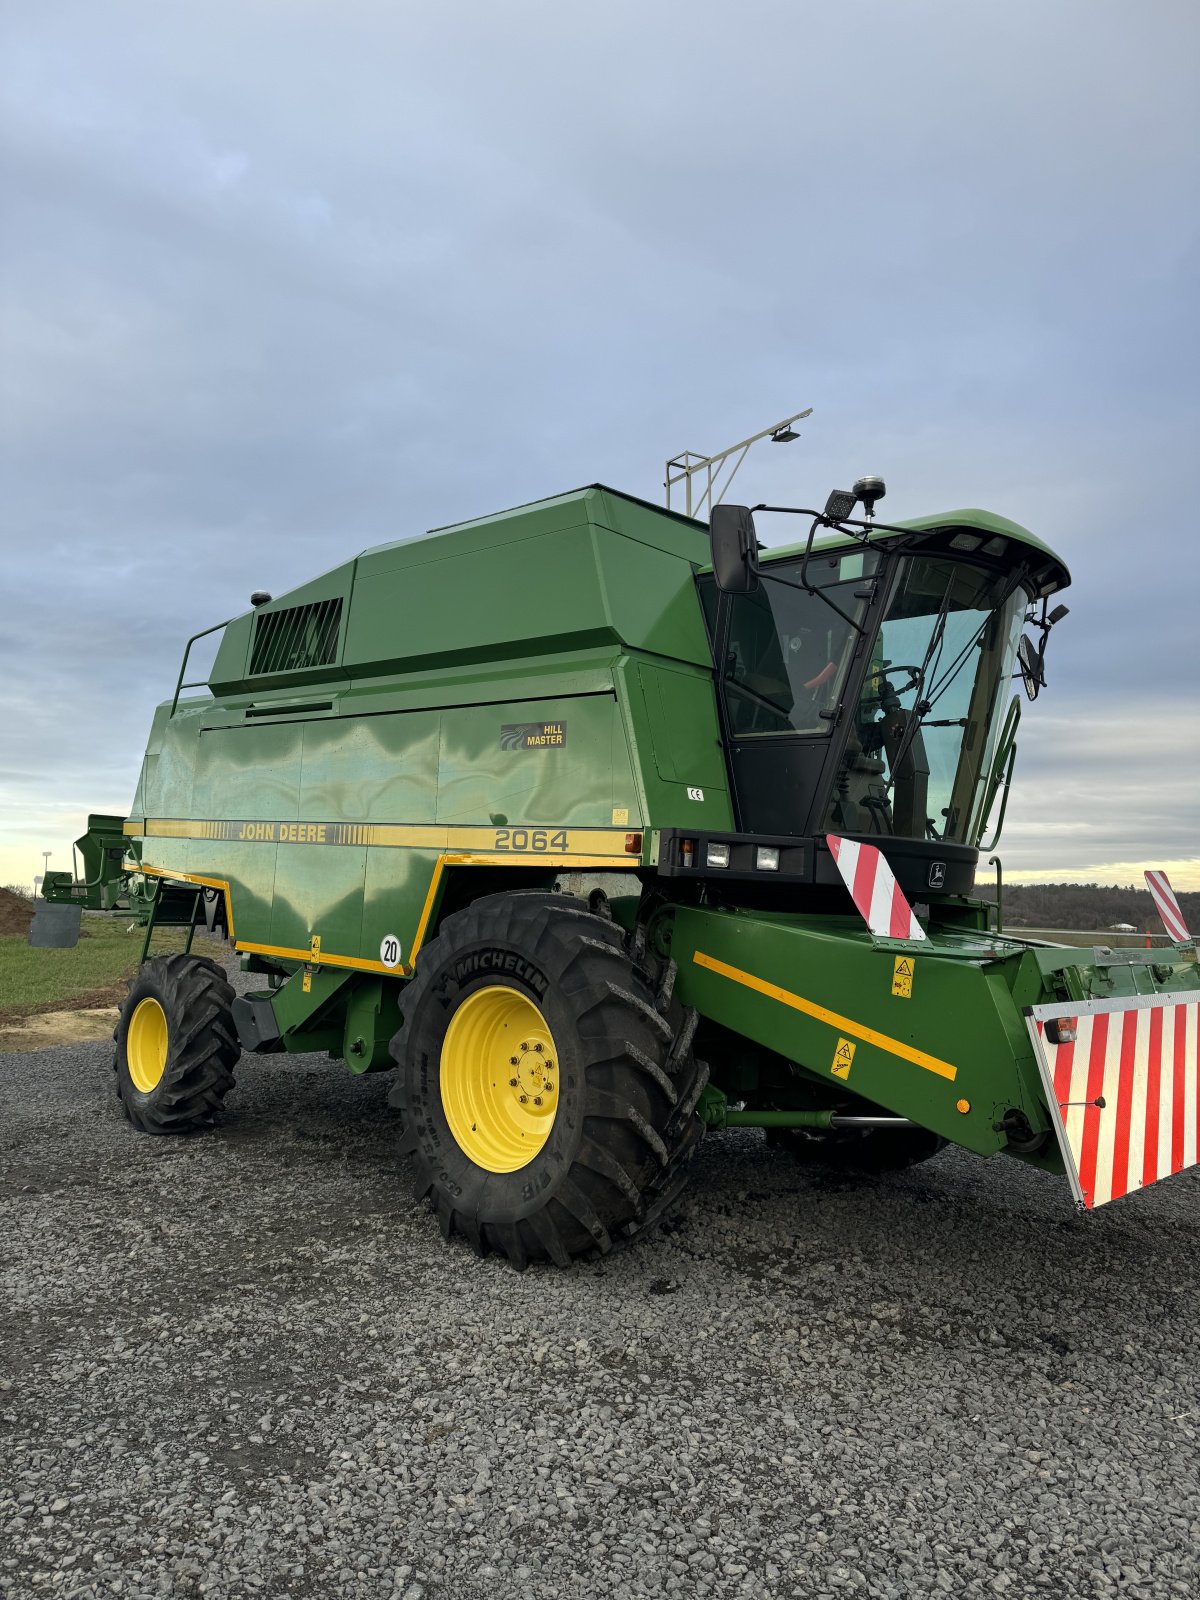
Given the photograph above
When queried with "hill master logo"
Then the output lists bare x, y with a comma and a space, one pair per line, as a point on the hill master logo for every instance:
532, 735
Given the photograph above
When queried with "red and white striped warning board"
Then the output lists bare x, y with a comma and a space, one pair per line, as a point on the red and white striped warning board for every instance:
1125, 1092
874, 890
1168, 907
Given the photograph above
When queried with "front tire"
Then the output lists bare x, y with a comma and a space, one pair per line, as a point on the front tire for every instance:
547, 1100
176, 1045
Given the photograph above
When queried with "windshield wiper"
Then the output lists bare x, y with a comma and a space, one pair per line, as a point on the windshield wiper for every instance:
808, 588
921, 707
917, 717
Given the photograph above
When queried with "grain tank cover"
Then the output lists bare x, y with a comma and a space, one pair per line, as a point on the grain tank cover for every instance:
593, 569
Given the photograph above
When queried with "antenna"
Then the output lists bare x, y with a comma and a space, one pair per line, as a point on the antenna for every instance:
681, 469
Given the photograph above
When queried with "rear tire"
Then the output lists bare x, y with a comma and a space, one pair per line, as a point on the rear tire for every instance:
176, 1045
539, 970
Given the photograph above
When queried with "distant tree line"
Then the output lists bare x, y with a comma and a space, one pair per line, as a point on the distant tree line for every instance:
1041, 905
1089, 905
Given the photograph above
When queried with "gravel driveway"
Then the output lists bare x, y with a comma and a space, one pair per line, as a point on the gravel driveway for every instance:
246, 1364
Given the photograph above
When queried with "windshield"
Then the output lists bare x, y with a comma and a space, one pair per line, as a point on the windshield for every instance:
787, 651
917, 760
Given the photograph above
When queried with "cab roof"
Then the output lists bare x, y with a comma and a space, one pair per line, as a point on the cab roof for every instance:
1051, 568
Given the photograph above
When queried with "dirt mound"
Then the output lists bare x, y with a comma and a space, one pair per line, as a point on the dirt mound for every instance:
46, 1029
16, 913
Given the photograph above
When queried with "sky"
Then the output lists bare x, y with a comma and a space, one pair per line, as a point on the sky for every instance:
280, 281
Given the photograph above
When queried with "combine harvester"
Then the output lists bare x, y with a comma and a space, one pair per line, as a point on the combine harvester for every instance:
773, 774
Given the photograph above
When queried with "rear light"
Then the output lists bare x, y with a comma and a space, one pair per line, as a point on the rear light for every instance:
766, 858
717, 855
1062, 1030
687, 852
633, 844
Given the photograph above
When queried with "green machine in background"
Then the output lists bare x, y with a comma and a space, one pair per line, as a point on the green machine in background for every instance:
767, 776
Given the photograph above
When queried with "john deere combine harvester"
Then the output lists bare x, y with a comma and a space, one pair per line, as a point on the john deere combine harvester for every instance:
773, 774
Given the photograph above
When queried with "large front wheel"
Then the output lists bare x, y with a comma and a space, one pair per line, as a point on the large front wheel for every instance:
548, 1101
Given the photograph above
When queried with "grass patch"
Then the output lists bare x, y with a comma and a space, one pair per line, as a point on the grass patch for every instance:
94, 973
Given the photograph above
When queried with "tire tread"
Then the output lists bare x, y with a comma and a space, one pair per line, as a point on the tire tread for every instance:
642, 1082
203, 1048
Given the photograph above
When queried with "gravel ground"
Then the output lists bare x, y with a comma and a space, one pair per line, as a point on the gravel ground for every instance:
246, 1365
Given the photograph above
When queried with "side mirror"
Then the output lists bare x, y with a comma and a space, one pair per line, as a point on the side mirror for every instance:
734, 547
1029, 659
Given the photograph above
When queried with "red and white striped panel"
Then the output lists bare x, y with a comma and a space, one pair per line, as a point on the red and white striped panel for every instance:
874, 890
1167, 906
1142, 1058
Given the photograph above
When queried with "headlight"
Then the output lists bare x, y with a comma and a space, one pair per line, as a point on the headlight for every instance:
766, 858
717, 855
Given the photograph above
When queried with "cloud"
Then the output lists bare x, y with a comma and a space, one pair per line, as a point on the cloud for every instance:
1103, 790
277, 284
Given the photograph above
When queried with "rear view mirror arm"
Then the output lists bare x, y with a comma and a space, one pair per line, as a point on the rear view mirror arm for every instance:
772, 577
840, 522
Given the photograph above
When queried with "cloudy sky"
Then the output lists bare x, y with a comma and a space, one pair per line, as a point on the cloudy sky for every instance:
283, 280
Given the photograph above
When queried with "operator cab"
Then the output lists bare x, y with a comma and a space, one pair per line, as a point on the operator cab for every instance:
863, 678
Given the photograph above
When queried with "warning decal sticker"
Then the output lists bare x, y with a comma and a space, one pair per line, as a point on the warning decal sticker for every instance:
902, 977
843, 1058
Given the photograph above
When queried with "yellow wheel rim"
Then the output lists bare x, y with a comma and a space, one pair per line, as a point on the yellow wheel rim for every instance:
499, 1078
146, 1045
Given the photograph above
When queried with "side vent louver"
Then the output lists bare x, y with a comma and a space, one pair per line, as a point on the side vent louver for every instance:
300, 636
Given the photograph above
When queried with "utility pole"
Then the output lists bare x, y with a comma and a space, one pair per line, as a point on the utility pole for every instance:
681, 469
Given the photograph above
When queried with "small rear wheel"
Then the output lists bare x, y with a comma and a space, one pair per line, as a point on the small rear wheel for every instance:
548, 1099
176, 1045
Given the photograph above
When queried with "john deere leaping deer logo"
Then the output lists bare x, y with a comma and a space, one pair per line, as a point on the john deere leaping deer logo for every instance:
532, 735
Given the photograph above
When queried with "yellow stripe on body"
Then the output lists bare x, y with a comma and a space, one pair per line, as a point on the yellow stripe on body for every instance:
359, 963
325, 959
810, 1008
427, 909
513, 840
580, 841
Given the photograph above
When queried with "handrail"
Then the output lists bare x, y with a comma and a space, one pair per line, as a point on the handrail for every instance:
88, 883
1002, 761
994, 861
187, 650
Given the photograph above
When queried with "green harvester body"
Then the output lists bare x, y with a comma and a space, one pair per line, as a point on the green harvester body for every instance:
560, 695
